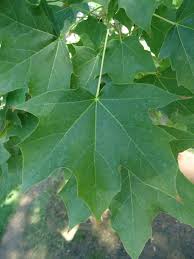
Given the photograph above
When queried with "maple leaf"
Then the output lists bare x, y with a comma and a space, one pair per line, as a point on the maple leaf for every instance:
96, 137
138, 203
32, 55
179, 43
139, 12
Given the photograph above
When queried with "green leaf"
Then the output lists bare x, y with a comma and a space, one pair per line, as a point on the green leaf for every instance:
179, 114
159, 28
20, 126
119, 14
178, 45
31, 54
86, 64
10, 174
92, 32
16, 97
75, 110
76, 209
119, 57
64, 14
166, 79
15, 129
122, 17
86, 58
138, 203
34, 2
171, 3
2, 119
104, 3
84, 140
139, 12
4, 154
183, 140
185, 190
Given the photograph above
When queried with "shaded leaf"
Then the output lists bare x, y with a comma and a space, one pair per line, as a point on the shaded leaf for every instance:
16, 97
64, 13
4, 154
159, 28
34, 2
165, 79
10, 174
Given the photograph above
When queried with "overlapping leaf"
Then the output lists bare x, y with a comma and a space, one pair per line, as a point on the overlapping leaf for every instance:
140, 12
31, 53
183, 140
4, 154
15, 127
104, 3
166, 79
179, 114
92, 32
159, 28
64, 13
119, 57
34, 2
86, 63
10, 174
179, 44
87, 57
138, 203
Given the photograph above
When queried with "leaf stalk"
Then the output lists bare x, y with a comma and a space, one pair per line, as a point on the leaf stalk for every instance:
164, 19
102, 63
